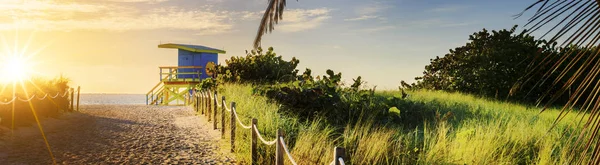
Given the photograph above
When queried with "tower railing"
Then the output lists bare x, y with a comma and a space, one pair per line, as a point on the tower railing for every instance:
180, 73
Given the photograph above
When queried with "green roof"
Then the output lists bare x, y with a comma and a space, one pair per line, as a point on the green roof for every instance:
192, 48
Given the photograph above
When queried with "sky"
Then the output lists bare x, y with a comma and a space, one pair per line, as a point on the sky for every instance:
110, 46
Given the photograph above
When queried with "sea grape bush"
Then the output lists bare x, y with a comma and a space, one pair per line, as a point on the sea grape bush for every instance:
258, 67
308, 98
490, 65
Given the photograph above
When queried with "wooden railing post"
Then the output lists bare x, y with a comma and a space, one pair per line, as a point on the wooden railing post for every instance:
215, 109
223, 117
72, 99
202, 100
206, 104
197, 101
232, 126
279, 150
78, 93
339, 152
208, 107
254, 138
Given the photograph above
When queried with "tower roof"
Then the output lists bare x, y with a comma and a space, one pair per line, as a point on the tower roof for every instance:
192, 48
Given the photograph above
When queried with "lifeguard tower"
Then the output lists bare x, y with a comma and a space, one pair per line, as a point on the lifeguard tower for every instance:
177, 81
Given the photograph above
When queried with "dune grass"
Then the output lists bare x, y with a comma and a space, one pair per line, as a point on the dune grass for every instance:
47, 100
436, 128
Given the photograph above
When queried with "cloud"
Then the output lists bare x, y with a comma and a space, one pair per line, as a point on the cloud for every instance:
434, 22
452, 8
302, 19
377, 29
369, 11
363, 17
252, 16
54, 16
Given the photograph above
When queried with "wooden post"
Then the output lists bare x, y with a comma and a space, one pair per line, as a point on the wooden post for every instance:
232, 127
279, 150
78, 93
215, 109
254, 138
72, 99
165, 97
208, 106
202, 101
339, 152
197, 102
223, 117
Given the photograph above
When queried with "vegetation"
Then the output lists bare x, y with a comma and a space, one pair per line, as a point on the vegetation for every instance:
257, 67
48, 101
489, 65
569, 20
466, 129
309, 99
499, 65
392, 127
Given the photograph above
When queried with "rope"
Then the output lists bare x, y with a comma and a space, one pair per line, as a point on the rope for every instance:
226, 108
239, 121
27, 100
262, 139
11, 101
44, 97
341, 161
218, 105
33, 96
287, 152
65, 94
55, 96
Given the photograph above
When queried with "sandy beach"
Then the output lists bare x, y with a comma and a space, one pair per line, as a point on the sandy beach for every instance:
117, 134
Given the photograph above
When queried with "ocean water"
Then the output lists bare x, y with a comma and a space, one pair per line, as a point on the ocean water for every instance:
120, 99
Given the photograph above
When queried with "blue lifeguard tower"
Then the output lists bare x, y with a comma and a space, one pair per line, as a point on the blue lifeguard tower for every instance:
176, 81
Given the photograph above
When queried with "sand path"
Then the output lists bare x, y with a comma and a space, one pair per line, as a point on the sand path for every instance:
117, 134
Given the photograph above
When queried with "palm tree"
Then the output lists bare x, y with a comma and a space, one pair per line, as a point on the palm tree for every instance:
578, 23
272, 15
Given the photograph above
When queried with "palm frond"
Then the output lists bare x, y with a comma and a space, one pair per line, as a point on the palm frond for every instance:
579, 22
272, 15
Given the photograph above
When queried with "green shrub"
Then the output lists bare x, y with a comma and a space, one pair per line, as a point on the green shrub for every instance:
490, 64
257, 67
309, 99
208, 83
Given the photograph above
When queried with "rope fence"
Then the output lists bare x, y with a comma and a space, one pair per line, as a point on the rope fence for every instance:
24, 109
46, 95
208, 105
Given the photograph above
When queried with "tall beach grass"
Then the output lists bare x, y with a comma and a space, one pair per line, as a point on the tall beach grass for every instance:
447, 128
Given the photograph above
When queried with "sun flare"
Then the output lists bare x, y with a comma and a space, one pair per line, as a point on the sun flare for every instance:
14, 68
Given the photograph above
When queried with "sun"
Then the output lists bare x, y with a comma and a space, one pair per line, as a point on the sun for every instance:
14, 68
